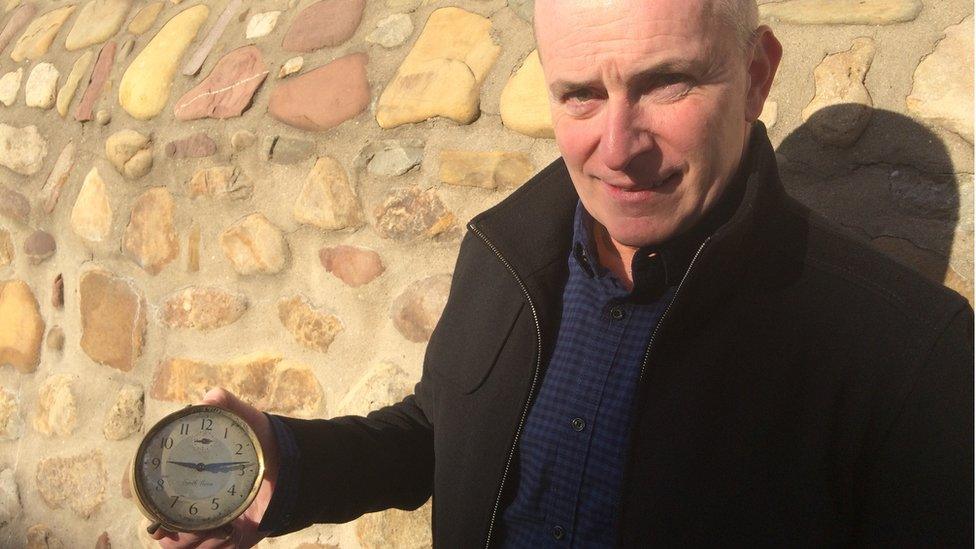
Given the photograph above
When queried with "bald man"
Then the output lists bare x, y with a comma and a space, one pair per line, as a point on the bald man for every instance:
649, 343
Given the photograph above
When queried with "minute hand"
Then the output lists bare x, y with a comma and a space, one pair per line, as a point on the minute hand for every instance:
218, 467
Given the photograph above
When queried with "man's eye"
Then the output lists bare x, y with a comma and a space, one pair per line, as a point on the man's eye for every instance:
579, 96
670, 86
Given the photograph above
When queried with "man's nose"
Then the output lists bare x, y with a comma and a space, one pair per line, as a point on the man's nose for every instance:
623, 137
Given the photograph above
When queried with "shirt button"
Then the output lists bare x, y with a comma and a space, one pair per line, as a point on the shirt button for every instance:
578, 424
617, 312
558, 532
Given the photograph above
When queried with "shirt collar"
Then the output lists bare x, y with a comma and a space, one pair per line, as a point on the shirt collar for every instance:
655, 268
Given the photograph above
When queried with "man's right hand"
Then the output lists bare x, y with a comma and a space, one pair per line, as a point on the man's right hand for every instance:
243, 531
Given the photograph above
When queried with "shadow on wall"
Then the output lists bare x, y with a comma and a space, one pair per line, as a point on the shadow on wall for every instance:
886, 178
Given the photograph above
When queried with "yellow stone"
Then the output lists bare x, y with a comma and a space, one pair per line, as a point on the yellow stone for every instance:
309, 326
488, 170
145, 18
524, 102
942, 89
21, 327
327, 200
842, 12
145, 86
254, 245
40, 33
443, 73
97, 21
91, 217
67, 91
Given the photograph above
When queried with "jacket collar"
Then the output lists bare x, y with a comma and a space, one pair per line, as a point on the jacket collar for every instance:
533, 229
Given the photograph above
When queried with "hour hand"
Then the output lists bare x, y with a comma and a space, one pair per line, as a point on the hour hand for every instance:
223, 466
186, 464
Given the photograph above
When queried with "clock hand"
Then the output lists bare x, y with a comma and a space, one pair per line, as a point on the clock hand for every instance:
187, 464
216, 467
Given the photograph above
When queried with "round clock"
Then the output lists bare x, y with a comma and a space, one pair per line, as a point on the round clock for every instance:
197, 469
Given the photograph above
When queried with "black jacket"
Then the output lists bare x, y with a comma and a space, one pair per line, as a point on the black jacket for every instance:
801, 390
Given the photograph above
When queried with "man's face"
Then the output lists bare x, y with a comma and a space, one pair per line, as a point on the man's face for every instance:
649, 109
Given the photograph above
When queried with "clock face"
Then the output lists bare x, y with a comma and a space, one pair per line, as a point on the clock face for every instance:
198, 468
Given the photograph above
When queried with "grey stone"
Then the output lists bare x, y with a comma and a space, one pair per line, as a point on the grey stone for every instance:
9, 497
39, 246
125, 417
392, 31
391, 157
288, 150
523, 8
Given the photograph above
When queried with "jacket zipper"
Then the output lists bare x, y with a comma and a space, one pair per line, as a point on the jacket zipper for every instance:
535, 378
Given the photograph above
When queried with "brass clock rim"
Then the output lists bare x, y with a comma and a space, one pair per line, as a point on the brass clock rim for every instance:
142, 501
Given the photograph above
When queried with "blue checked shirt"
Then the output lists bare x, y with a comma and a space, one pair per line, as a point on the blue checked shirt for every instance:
572, 454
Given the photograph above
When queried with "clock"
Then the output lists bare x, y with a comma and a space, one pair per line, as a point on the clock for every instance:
197, 469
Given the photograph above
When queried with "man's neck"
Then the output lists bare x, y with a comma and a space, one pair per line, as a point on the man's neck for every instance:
613, 255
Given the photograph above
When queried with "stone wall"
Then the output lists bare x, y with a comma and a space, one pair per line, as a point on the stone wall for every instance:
269, 196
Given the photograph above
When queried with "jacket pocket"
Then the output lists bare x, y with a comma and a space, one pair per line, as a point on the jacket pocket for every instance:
467, 341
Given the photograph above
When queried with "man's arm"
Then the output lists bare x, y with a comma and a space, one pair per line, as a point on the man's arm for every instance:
919, 489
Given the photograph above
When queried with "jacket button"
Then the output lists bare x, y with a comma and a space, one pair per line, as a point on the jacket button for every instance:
617, 312
558, 532
578, 424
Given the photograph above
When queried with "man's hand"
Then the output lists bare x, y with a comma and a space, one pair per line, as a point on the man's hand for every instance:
243, 531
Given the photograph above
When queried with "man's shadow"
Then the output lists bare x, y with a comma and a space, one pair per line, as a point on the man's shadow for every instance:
895, 186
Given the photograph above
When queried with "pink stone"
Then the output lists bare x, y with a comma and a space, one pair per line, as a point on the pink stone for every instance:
103, 67
324, 97
354, 266
16, 23
325, 23
203, 50
198, 145
228, 90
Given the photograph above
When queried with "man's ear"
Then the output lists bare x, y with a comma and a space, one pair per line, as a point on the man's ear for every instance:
766, 54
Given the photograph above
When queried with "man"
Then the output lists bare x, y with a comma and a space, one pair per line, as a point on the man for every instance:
649, 343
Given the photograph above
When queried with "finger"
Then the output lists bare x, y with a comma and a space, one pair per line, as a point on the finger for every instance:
223, 398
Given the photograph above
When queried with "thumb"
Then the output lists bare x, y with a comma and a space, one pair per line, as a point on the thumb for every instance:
223, 398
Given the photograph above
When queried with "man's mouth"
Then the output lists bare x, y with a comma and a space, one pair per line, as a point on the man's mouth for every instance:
639, 193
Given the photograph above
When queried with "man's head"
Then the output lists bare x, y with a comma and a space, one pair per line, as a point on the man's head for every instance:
652, 101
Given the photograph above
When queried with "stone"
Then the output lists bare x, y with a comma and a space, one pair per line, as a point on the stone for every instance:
17, 21
67, 92
327, 200
267, 382
922, 197
97, 82
219, 182
841, 12
39, 246
130, 153
103, 117
103, 541
839, 80
391, 31
254, 245
10, 86
14, 205
769, 114
323, 97
202, 308
242, 139
193, 249
39, 34
203, 50
228, 89
125, 484
523, 8
57, 292
323, 24
396, 528
443, 73
6, 248
382, 385
21, 327
198, 145
416, 311
56, 413
150, 239
524, 103
113, 319
288, 150
352, 265
942, 89
59, 176
9, 496
311, 327
11, 424
40, 536
406, 5
77, 482
145, 17
261, 24
22, 149
91, 216
391, 158
41, 86
145, 85
125, 417
55, 339
125, 49
97, 21
488, 170
291, 66
410, 213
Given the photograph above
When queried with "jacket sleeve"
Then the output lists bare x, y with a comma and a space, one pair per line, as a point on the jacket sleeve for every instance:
918, 491
348, 466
